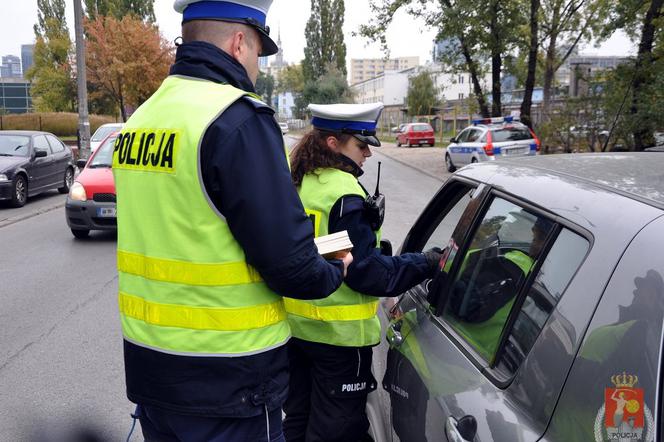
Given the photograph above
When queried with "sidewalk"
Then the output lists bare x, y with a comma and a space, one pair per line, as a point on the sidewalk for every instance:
429, 160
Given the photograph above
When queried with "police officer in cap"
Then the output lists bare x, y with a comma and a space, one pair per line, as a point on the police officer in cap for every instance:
331, 349
211, 234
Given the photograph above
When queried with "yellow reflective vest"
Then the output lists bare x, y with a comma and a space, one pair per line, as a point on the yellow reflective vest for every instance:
345, 318
184, 285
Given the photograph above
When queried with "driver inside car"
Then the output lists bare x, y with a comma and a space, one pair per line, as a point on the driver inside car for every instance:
489, 280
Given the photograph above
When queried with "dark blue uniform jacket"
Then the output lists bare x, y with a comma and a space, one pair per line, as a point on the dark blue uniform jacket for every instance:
245, 172
372, 273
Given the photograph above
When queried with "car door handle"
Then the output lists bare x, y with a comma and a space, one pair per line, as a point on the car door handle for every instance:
463, 430
394, 336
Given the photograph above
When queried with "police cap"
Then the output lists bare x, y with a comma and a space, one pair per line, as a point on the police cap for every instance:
358, 120
249, 12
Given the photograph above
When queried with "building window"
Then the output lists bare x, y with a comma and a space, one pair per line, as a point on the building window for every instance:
460, 95
460, 79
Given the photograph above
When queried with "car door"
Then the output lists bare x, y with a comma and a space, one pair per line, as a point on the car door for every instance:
61, 157
456, 150
621, 354
43, 169
459, 341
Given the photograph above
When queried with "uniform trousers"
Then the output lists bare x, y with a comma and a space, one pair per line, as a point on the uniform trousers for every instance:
159, 425
327, 392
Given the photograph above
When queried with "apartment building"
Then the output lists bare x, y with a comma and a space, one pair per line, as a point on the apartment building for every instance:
362, 69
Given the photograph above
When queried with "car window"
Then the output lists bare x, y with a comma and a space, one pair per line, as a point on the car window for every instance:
554, 276
41, 143
102, 132
444, 227
56, 145
422, 128
494, 268
510, 134
463, 136
474, 135
103, 156
14, 145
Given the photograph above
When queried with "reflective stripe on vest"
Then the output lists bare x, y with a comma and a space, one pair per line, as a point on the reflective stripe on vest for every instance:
345, 318
353, 312
185, 287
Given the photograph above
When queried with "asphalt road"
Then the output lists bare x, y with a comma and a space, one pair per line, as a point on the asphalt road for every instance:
61, 363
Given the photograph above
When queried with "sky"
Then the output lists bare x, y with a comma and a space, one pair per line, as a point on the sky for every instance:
405, 37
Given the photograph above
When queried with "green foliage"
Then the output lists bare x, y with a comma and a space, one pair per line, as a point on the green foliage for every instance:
143, 9
291, 79
265, 86
325, 40
332, 87
53, 87
422, 94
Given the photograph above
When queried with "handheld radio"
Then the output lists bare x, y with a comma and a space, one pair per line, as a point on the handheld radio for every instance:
374, 206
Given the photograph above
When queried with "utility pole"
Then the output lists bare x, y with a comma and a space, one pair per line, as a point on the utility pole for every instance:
81, 81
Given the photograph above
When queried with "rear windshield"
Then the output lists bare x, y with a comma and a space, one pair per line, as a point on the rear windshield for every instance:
510, 134
14, 145
421, 128
103, 132
104, 154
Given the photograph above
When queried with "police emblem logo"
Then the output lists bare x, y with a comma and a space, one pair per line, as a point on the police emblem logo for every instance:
624, 415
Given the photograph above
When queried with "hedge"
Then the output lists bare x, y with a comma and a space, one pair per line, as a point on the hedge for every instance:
62, 124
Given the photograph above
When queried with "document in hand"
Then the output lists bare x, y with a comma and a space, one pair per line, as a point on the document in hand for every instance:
334, 245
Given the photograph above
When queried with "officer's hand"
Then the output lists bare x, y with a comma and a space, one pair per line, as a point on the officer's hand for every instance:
433, 257
347, 260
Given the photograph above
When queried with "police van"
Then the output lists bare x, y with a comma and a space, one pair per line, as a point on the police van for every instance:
490, 139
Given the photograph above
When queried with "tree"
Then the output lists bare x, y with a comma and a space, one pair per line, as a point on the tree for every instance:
291, 79
265, 86
422, 94
143, 9
643, 20
332, 87
565, 23
325, 40
127, 59
53, 87
533, 46
480, 31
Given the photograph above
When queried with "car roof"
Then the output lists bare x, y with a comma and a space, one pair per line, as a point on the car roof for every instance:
26, 133
635, 175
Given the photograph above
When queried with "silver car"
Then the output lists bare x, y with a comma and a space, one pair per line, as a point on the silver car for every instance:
490, 139
545, 321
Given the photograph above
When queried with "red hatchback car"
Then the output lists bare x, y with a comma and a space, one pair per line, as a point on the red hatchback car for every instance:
416, 134
91, 201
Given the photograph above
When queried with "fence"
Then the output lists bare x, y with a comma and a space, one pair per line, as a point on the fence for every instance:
62, 124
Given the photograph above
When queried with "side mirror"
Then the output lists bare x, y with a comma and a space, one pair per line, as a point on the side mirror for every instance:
385, 247
81, 163
453, 140
40, 153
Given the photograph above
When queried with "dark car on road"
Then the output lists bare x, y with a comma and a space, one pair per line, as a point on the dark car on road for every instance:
545, 320
91, 201
32, 162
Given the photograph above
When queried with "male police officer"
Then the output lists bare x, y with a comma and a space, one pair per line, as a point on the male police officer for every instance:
210, 232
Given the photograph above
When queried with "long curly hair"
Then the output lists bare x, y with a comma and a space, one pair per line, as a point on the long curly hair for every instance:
312, 153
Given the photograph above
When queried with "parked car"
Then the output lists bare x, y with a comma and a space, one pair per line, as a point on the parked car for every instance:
416, 134
284, 127
545, 321
90, 204
101, 133
32, 162
490, 139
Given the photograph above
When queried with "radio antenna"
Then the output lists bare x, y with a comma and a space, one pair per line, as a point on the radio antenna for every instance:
376, 193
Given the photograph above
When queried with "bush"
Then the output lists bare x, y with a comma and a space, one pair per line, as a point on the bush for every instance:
62, 124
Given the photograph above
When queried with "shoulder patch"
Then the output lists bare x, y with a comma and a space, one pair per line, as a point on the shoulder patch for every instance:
257, 104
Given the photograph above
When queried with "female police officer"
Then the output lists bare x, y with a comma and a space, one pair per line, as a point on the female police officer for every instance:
331, 349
